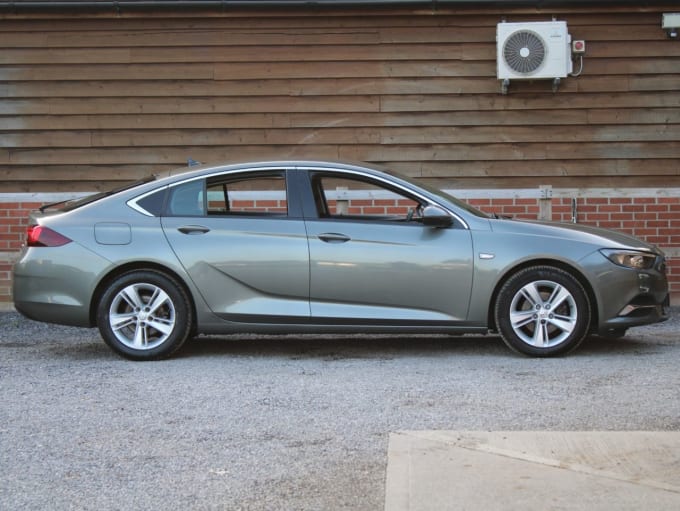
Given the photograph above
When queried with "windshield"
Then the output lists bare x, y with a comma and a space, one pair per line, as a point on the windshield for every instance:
76, 202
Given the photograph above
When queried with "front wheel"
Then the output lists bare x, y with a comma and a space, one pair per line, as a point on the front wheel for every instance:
542, 311
144, 315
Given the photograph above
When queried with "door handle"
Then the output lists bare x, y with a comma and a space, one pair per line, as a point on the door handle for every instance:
333, 237
193, 229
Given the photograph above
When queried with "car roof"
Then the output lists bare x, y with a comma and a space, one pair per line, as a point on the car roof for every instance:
182, 173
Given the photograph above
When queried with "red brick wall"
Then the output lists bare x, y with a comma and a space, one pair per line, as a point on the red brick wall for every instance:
13, 222
654, 219
253, 206
5, 281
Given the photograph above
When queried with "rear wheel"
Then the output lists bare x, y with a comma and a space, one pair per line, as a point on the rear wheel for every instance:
542, 311
144, 315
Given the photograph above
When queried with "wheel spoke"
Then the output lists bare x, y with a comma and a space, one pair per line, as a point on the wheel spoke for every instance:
158, 299
530, 292
119, 321
131, 296
164, 326
518, 319
541, 336
141, 339
558, 296
564, 323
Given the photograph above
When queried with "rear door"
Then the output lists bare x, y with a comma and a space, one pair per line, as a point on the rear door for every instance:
243, 243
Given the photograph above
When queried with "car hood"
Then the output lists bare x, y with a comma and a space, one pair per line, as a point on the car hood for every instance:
604, 238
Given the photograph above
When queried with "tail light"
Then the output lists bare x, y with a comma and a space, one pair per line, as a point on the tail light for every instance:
39, 236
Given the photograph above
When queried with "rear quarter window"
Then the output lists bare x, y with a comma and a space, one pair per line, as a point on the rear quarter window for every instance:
153, 203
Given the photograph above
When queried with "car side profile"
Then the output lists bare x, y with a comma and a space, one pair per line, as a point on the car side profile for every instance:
316, 246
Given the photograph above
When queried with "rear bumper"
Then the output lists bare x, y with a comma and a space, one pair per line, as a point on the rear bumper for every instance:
55, 285
53, 313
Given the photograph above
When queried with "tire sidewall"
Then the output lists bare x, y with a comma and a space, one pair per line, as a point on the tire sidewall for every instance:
177, 295
533, 274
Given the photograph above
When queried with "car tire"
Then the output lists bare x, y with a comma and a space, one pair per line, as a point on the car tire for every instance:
144, 315
542, 311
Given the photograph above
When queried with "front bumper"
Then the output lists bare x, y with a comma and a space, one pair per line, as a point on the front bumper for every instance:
630, 297
637, 314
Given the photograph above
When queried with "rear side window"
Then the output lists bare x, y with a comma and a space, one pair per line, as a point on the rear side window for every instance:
248, 195
187, 199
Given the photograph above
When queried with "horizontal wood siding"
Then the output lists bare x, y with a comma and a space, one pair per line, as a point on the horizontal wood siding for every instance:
89, 100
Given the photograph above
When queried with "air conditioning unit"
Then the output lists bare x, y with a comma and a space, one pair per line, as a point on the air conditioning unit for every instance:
533, 50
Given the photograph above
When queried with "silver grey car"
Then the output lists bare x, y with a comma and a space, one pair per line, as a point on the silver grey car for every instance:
313, 246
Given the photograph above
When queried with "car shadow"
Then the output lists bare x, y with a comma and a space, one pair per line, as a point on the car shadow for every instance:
630, 344
343, 347
339, 347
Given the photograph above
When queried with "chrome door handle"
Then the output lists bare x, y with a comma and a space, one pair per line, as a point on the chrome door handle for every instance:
333, 237
193, 229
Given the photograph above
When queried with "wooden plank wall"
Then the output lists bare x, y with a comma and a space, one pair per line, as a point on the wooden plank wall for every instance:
87, 100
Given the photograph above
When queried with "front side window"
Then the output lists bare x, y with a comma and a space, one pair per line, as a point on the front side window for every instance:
356, 199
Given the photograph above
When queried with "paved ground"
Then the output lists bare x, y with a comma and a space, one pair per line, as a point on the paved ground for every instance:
533, 471
288, 422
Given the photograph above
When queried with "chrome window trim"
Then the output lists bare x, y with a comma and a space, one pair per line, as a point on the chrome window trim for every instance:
133, 203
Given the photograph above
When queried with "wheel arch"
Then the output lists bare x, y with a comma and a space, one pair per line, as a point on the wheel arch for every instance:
579, 275
139, 266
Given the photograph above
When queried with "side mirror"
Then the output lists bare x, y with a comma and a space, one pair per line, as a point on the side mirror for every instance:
434, 216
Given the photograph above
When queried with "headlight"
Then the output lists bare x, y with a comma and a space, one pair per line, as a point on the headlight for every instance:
630, 259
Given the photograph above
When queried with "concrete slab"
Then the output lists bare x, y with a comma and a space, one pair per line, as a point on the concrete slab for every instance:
533, 470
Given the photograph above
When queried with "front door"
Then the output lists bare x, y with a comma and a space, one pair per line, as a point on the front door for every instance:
372, 260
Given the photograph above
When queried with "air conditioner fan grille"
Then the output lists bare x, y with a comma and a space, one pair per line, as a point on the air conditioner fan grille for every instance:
524, 51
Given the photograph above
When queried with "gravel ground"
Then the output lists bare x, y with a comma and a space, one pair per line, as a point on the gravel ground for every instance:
299, 423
